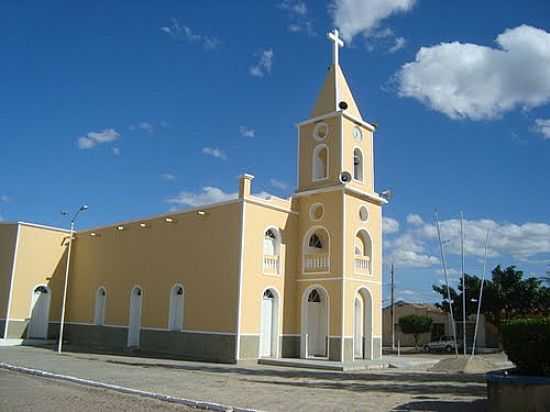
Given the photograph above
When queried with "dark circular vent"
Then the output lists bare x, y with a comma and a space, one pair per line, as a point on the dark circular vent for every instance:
343, 105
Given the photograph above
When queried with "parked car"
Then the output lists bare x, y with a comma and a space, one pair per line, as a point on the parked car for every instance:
444, 343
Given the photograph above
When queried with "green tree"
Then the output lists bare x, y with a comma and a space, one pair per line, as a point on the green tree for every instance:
506, 295
415, 325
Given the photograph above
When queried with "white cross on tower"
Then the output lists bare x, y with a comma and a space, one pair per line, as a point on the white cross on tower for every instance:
334, 36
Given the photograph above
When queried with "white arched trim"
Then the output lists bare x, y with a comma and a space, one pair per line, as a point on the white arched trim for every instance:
368, 319
176, 310
316, 163
359, 266
100, 306
304, 319
134, 316
278, 321
39, 317
360, 175
272, 264
306, 251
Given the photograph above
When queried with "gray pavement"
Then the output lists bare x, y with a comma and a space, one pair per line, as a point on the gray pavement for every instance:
266, 387
19, 392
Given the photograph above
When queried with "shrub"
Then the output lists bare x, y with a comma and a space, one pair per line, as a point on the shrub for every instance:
527, 344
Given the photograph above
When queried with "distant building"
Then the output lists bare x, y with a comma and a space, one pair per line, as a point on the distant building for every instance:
441, 326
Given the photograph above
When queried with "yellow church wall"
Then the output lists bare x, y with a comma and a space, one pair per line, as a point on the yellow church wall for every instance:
373, 226
351, 290
8, 238
307, 145
202, 252
326, 100
331, 221
345, 94
366, 147
257, 220
41, 260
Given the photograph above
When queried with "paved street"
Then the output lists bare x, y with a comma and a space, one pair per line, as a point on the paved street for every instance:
20, 392
258, 386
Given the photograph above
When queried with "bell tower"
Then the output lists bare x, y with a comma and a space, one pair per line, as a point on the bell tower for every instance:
340, 226
335, 142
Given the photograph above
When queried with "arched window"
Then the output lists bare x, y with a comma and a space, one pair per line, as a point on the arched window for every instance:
357, 164
272, 245
100, 301
175, 318
316, 251
363, 252
320, 162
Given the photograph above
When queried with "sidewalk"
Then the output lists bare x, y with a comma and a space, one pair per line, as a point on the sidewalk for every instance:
263, 387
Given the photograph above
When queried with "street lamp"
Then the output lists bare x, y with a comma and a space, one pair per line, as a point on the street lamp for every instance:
71, 235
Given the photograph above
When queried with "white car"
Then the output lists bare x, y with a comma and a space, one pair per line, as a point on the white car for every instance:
444, 343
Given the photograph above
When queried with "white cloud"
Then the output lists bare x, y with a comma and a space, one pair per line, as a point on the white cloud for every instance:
364, 16
215, 152
399, 43
148, 127
168, 176
464, 80
389, 225
414, 219
264, 64
278, 184
206, 196
116, 151
542, 126
184, 33
247, 131
419, 245
409, 251
94, 138
298, 14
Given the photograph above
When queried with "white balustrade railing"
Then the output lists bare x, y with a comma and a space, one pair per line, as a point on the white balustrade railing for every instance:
271, 264
316, 263
362, 265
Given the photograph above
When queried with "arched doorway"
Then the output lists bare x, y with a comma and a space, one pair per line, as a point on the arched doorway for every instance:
40, 312
134, 322
362, 324
315, 308
175, 318
358, 327
269, 324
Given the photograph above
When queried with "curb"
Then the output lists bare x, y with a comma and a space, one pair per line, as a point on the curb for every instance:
205, 405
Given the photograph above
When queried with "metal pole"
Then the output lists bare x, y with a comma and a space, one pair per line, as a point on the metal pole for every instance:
443, 262
463, 283
62, 323
480, 293
392, 310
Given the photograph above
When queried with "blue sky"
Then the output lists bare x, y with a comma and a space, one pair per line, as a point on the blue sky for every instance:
138, 107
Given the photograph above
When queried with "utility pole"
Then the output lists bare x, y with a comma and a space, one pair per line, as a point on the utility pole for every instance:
392, 309
463, 283
444, 265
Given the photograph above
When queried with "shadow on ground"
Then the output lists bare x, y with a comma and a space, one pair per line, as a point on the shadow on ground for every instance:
384, 381
479, 405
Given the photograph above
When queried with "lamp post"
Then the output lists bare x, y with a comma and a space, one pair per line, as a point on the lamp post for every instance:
71, 235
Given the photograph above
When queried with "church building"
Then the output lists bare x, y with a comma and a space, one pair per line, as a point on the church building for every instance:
247, 278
